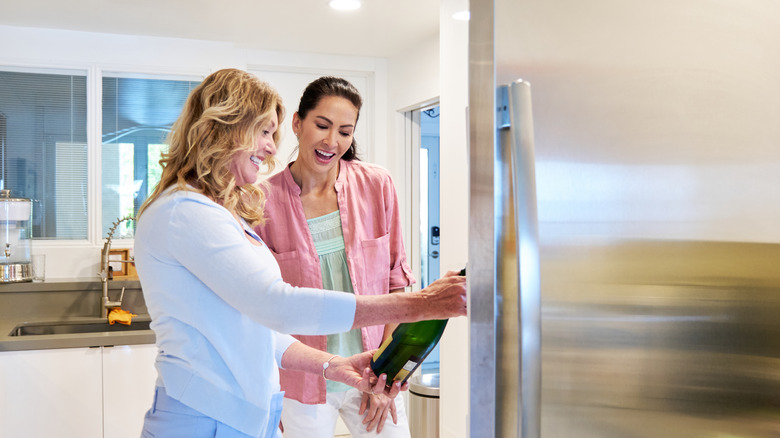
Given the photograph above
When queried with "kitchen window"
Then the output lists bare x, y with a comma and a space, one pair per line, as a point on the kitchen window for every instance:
45, 153
137, 116
43, 147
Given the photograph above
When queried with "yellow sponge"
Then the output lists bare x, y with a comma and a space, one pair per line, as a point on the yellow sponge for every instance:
121, 316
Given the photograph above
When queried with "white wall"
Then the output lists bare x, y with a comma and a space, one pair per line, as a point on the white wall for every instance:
413, 78
28, 47
454, 401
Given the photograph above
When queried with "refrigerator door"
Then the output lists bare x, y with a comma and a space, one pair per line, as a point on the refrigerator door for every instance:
656, 176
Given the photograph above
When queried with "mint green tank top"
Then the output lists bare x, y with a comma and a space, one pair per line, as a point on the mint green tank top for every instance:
329, 242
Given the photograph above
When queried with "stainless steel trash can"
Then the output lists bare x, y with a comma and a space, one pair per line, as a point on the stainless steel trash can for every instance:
424, 405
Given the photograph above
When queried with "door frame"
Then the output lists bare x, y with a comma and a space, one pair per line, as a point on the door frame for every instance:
412, 142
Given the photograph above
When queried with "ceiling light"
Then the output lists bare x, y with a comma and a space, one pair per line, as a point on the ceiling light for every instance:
345, 5
462, 15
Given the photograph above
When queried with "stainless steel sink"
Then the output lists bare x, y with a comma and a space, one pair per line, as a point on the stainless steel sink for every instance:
77, 327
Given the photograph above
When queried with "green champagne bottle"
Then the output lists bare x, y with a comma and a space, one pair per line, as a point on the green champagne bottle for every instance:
406, 348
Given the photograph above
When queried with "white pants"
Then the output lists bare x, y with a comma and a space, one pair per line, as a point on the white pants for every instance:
319, 421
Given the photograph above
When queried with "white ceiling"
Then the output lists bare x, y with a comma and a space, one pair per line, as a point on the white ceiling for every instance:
382, 28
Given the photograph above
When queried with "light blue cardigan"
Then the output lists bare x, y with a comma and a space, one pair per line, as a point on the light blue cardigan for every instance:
218, 305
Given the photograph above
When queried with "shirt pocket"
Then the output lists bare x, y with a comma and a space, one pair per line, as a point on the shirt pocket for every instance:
376, 259
290, 266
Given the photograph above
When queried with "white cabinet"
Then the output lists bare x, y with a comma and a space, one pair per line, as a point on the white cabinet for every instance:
128, 388
76, 392
48, 393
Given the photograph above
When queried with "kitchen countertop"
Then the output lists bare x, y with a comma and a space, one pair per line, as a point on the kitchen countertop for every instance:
67, 301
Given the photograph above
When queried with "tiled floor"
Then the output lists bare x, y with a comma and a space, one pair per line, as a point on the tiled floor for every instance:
341, 430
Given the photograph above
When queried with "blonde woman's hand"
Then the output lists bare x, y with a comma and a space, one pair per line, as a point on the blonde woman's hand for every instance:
356, 371
445, 297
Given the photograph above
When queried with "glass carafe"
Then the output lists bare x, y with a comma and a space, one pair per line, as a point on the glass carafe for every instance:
15, 238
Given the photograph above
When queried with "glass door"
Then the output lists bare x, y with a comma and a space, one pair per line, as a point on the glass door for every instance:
429, 196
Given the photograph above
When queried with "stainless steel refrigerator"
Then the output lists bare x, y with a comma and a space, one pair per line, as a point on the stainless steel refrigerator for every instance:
623, 288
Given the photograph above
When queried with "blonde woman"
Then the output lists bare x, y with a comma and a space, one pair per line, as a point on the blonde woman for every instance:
214, 291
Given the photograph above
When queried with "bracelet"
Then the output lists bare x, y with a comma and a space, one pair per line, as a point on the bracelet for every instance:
327, 364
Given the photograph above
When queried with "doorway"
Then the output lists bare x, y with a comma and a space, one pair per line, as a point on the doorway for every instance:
430, 233
425, 250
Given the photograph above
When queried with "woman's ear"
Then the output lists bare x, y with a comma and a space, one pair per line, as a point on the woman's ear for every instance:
296, 124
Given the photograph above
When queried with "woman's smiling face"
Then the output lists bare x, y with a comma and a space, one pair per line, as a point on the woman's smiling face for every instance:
325, 135
246, 164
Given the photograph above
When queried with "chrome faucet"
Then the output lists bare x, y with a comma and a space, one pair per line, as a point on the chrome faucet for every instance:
106, 273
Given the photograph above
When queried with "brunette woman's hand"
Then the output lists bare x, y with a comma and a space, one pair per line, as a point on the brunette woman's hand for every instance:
376, 407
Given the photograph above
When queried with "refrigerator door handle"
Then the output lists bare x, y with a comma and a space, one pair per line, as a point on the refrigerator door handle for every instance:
528, 268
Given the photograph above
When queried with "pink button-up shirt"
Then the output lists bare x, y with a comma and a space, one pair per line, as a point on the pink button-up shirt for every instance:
371, 223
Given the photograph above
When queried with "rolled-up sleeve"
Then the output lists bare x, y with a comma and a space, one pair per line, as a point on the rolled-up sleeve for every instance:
400, 272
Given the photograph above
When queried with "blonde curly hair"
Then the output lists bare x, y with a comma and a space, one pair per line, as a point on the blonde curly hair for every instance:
222, 117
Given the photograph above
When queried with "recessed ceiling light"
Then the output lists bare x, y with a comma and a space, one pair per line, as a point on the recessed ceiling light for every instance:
345, 5
462, 15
